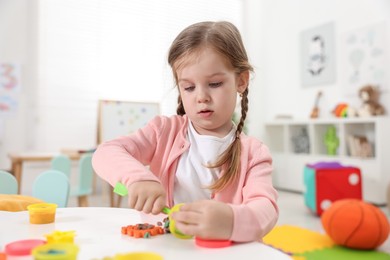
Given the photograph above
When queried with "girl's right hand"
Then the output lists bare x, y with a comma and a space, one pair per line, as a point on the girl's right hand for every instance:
147, 196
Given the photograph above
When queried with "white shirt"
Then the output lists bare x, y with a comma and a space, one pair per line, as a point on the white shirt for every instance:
192, 176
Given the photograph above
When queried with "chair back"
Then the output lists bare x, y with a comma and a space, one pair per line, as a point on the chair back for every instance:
62, 163
85, 175
52, 186
8, 183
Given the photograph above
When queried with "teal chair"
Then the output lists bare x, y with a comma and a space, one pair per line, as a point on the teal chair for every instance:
85, 180
52, 186
8, 183
62, 163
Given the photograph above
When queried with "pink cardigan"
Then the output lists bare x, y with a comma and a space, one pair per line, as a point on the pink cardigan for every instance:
161, 143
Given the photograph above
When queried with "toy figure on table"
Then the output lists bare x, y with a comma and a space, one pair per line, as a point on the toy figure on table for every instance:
200, 157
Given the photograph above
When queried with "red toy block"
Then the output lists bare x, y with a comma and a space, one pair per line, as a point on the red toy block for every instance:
335, 184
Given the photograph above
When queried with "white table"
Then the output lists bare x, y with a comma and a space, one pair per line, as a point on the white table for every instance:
98, 234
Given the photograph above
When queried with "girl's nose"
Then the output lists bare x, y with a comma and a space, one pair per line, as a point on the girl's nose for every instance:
203, 95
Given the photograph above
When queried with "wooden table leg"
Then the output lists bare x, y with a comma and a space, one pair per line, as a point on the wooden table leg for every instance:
17, 171
115, 200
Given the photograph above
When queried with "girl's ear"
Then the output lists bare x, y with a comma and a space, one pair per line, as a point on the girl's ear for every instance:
242, 81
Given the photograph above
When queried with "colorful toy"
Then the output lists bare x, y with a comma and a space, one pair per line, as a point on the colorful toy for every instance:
356, 224
341, 110
331, 140
327, 182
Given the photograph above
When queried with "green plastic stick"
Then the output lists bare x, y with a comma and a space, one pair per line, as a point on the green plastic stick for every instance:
120, 189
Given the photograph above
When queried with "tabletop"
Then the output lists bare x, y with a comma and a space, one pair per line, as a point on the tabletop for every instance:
98, 235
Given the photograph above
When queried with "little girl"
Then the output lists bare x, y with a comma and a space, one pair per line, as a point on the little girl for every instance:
199, 156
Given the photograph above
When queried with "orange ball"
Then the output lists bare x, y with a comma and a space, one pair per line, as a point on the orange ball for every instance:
356, 224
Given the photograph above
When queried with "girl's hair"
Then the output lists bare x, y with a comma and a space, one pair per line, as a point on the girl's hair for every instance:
224, 38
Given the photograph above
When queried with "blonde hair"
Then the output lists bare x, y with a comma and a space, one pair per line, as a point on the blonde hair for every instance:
224, 38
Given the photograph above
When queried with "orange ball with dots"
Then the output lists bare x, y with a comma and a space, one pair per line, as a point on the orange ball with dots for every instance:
355, 224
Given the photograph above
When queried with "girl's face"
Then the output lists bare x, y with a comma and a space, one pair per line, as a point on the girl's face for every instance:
208, 86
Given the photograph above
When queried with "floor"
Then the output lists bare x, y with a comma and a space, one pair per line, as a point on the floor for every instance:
292, 211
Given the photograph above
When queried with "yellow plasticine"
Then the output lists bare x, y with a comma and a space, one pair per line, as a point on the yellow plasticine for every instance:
172, 224
42, 213
61, 237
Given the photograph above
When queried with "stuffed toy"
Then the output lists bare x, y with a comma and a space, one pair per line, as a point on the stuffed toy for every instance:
370, 97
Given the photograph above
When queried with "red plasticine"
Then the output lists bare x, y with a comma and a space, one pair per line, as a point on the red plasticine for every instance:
212, 243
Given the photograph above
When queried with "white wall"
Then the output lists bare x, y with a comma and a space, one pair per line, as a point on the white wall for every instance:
18, 45
272, 32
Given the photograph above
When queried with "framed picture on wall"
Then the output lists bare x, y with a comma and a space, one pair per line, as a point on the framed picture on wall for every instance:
363, 58
318, 65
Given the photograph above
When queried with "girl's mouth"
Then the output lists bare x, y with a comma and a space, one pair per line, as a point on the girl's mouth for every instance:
205, 113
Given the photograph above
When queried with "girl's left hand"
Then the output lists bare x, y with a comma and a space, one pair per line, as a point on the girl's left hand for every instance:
207, 219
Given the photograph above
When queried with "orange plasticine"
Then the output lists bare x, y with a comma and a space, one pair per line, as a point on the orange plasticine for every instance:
140, 230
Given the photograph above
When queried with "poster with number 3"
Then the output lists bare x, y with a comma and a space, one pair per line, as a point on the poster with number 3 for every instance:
9, 88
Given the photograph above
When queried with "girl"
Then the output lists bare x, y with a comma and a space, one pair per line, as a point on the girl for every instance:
200, 157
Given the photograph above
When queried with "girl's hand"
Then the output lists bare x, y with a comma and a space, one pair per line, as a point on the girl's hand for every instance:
206, 219
147, 196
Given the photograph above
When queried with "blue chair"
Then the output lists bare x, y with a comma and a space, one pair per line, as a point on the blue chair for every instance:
52, 186
85, 180
62, 163
8, 183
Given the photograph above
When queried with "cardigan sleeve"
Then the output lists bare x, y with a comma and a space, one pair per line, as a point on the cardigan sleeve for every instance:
258, 212
124, 159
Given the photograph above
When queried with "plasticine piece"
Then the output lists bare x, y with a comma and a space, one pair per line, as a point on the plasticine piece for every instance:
142, 230
172, 223
120, 189
212, 243
60, 237
166, 210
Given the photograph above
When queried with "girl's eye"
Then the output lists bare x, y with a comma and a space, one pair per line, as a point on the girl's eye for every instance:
190, 88
215, 84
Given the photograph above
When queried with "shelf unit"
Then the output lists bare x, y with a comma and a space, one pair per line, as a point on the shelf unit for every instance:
290, 161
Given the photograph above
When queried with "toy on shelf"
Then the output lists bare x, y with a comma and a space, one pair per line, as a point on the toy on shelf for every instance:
331, 140
344, 110
371, 107
301, 141
316, 110
327, 182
